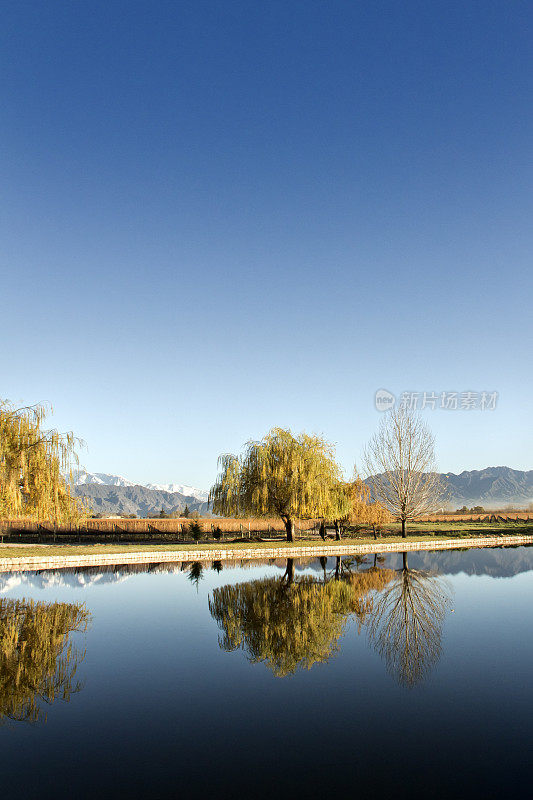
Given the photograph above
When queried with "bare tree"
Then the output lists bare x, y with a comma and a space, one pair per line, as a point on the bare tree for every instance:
400, 462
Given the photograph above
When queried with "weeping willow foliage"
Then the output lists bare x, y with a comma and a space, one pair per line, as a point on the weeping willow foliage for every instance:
37, 660
288, 627
293, 477
33, 465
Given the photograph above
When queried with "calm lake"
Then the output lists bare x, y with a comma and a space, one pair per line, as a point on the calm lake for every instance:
374, 677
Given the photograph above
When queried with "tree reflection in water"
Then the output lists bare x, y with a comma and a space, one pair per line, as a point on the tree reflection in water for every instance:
288, 623
405, 626
38, 663
295, 622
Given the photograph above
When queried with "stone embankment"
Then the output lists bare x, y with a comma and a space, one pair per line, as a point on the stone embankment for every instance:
21, 563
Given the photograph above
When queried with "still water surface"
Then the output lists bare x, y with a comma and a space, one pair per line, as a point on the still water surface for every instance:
398, 675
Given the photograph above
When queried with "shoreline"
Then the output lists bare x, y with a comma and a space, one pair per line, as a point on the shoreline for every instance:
29, 563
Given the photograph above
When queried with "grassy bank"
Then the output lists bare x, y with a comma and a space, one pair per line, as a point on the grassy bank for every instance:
420, 535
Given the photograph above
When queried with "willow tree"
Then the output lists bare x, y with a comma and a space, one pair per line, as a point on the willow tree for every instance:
38, 661
401, 467
292, 477
35, 466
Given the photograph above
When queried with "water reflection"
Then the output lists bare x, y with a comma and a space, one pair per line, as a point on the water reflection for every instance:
288, 622
195, 572
292, 623
38, 662
406, 622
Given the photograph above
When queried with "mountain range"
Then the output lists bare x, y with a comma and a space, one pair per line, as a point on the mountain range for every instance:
83, 477
113, 494
493, 487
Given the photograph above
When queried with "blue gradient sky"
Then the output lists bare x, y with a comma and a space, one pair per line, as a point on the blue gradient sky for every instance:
219, 217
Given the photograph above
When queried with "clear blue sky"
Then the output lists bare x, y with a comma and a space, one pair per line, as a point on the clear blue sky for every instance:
222, 216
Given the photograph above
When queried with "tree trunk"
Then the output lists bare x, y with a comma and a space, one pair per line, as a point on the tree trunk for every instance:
337, 531
403, 529
289, 527
404, 560
323, 563
374, 529
338, 568
289, 572
322, 530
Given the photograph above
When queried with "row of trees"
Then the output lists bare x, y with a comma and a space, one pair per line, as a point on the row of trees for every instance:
297, 477
293, 477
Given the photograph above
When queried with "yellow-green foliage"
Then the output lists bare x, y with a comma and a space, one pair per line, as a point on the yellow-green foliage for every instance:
364, 586
358, 506
287, 626
293, 477
33, 465
37, 661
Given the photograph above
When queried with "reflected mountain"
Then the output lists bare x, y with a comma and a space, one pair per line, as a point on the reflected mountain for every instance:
38, 662
81, 577
497, 562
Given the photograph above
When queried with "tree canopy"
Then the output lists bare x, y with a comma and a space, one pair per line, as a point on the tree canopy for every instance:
34, 466
293, 623
293, 477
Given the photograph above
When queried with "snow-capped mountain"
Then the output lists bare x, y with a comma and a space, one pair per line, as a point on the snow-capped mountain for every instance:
188, 491
83, 477
101, 478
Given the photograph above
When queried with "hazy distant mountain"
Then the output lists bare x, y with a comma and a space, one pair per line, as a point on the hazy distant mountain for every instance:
492, 487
